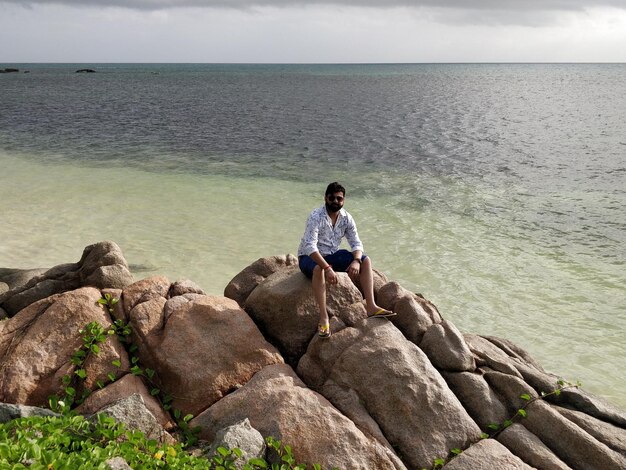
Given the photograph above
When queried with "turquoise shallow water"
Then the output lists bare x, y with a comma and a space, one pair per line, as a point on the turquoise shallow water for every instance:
208, 228
495, 191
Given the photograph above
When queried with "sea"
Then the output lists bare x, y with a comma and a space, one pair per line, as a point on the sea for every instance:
497, 191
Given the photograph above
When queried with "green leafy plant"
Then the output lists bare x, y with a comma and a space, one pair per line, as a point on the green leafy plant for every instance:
496, 428
68, 442
92, 335
74, 442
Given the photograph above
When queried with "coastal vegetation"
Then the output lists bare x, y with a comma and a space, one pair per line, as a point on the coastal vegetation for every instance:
72, 442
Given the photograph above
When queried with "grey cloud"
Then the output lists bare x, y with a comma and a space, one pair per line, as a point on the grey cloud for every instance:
491, 5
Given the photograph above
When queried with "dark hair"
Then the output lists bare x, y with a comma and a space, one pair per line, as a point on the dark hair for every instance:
333, 188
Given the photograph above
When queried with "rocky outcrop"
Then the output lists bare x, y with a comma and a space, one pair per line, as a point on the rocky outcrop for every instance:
36, 346
284, 308
202, 347
395, 384
414, 313
278, 404
240, 287
102, 265
379, 393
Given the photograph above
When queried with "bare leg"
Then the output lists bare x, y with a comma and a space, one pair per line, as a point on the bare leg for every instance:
319, 291
367, 284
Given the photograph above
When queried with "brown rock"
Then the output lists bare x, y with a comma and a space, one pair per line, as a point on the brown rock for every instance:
122, 388
12, 278
185, 286
414, 313
352, 314
490, 355
509, 389
240, 287
569, 442
488, 454
592, 405
445, 347
278, 404
477, 398
529, 448
607, 433
284, 308
199, 352
397, 385
513, 350
36, 346
144, 290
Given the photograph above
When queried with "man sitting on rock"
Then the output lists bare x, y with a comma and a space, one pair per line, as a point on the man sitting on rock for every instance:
320, 258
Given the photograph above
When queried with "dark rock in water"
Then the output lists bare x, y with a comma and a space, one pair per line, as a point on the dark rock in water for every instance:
9, 70
13, 278
9, 412
85, 71
102, 265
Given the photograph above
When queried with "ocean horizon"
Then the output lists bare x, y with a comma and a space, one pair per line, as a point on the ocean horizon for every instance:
497, 191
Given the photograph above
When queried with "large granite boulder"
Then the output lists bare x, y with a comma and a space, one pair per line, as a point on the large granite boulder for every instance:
284, 308
528, 447
278, 404
36, 346
414, 313
102, 265
488, 454
202, 347
477, 397
395, 384
444, 345
240, 287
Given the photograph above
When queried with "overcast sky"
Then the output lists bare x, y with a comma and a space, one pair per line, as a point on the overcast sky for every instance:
310, 31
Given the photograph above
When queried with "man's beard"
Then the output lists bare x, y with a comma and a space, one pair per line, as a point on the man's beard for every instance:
333, 207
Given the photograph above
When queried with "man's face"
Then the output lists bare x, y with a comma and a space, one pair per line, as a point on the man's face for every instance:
334, 202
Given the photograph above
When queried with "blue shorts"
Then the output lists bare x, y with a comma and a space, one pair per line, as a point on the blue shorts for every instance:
339, 260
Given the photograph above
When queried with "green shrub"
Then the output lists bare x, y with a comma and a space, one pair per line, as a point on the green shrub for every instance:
71, 442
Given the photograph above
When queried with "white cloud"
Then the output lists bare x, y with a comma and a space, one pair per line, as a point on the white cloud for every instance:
313, 33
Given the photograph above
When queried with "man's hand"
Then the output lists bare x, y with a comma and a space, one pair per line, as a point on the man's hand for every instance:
354, 270
331, 276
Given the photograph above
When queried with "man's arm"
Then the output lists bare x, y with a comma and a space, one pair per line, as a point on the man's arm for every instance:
352, 236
